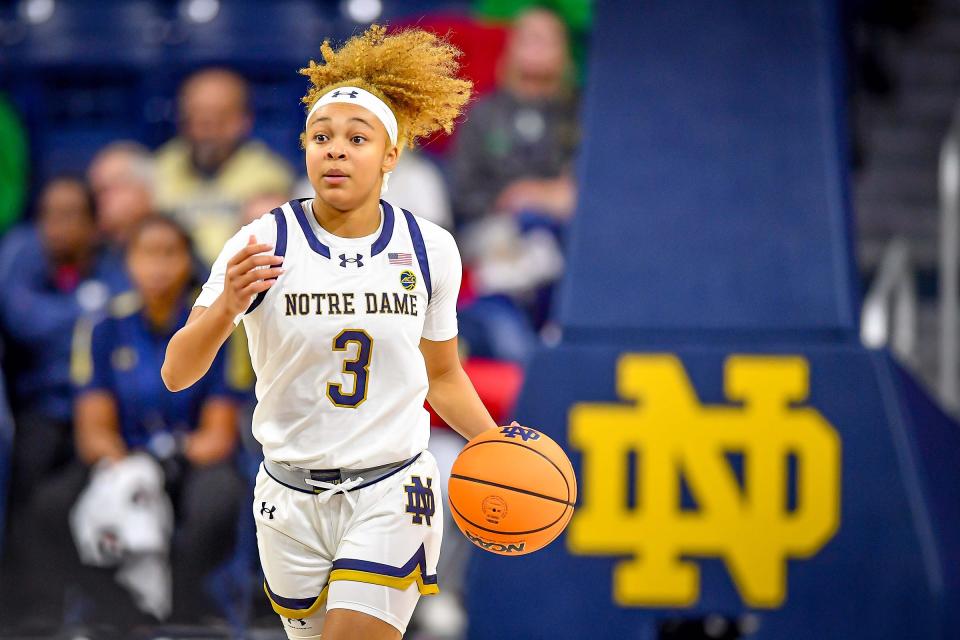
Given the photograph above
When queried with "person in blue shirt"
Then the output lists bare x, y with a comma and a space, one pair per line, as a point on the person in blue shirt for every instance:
52, 273
122, 406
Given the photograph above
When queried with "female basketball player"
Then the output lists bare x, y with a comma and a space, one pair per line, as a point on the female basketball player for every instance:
347, 338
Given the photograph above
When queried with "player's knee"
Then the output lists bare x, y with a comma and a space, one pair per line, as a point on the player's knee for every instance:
308, 628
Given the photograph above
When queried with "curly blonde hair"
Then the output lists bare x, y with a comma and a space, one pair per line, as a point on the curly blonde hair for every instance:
413, 71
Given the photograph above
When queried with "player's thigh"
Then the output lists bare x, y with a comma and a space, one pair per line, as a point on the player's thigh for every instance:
388, 557
397, 530
346, 624
295, 568
358, 610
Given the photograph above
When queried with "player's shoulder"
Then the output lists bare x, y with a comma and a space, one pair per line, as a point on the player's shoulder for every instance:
266, 220
264, 228
433, 234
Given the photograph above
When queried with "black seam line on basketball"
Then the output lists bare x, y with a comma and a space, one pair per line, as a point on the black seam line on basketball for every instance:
506, 486
520, 444
507, 533
560, 529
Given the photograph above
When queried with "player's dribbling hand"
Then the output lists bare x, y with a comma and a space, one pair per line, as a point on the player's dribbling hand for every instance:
248, 273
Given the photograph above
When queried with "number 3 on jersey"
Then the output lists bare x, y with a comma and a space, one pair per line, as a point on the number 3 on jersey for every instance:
358, 366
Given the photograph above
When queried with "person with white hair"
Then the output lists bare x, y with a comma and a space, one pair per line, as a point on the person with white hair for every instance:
123, 178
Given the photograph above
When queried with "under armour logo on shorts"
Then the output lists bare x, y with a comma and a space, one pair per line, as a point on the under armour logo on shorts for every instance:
357, 261
267, 512
420, 500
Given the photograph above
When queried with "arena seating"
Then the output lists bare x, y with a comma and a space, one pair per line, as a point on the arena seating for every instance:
109, 70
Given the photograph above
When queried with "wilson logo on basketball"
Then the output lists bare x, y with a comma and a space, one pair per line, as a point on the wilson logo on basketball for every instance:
494, 509
498, 547
521, 432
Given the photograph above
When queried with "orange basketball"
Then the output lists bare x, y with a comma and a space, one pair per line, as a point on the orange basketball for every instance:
512, 490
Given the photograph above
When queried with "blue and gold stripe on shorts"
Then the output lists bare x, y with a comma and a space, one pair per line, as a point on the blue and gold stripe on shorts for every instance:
295, 607
414, 570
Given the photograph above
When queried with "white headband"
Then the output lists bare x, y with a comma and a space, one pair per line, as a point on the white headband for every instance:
365, 99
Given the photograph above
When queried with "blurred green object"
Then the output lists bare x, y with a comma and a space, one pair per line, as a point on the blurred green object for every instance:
577, 14
13, 166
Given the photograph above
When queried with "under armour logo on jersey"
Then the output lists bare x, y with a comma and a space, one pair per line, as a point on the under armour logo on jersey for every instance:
420, 500
357, 261
349, 94
264, 511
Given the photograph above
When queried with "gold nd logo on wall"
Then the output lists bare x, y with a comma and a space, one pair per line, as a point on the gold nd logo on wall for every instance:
671, 434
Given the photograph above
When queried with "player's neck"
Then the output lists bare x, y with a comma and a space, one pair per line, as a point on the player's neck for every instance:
351, 223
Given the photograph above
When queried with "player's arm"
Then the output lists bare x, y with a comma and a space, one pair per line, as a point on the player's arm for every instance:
451, 392
192, 349
97, 427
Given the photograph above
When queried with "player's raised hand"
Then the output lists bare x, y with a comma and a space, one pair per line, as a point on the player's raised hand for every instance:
248, 273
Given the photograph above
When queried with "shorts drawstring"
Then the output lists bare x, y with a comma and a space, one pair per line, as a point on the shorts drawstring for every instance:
332, 488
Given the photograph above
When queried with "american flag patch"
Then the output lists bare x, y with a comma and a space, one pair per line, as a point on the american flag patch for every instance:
400, 258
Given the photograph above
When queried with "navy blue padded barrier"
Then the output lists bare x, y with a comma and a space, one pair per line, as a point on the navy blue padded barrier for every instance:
887, 572
935, 442
713, 186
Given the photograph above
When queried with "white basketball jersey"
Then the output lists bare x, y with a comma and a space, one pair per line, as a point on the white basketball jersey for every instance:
335, 342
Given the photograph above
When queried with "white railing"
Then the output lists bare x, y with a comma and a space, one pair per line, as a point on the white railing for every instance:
889, 314
949, 258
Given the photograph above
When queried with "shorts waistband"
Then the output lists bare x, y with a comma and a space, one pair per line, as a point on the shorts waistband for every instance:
296, 478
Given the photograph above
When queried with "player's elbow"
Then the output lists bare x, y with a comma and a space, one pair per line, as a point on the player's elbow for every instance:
171, 379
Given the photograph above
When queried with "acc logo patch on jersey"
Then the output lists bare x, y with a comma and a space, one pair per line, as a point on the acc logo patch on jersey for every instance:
749, 524
408, 280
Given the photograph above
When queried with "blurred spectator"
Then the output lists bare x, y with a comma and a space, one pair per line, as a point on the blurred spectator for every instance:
418, 186
192, 433
514, 189
577, 15
13, 166
122, 177
123, 407
52, 273
205, 174
263, 203
515, 150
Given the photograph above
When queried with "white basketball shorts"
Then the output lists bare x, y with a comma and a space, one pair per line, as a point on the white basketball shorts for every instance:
386, 534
